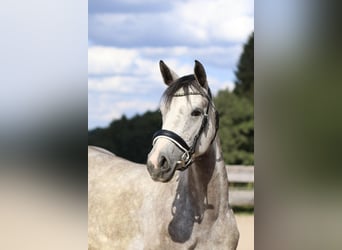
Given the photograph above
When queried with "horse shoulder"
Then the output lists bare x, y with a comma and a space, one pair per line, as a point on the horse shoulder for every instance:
115, 197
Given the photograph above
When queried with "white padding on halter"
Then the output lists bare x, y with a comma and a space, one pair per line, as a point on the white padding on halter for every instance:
186, 152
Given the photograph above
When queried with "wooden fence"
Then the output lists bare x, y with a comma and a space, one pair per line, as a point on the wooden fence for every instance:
241, 194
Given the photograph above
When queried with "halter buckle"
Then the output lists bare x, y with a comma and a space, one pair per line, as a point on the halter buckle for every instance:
184, 162
186, 156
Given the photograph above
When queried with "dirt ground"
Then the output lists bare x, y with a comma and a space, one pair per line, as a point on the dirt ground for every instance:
246, 227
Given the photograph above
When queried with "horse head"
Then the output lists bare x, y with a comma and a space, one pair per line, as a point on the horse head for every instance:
190, 123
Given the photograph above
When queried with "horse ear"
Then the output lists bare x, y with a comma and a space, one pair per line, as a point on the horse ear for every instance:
168, 75
200, 74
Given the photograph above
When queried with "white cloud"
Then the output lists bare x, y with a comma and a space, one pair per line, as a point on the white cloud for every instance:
106, 108
227, 85
111, 84
136, 105
104, 60
126, 47
220, 20
194, 22
109, 60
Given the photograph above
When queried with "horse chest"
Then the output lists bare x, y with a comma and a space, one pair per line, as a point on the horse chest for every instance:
167, 229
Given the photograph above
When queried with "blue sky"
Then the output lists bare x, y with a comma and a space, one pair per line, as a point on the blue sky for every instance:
127, 38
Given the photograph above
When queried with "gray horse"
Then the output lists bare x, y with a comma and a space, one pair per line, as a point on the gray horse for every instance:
183, 204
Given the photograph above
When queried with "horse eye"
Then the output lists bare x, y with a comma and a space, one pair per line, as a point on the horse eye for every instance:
196, 112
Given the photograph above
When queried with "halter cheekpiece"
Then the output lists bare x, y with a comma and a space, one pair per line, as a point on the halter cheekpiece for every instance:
187, 157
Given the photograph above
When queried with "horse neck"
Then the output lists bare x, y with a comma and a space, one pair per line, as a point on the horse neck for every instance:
208, 182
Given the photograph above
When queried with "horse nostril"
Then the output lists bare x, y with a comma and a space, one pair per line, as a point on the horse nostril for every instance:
163, 163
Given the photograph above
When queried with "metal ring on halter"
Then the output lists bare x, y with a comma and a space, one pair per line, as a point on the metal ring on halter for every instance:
186, 156
184, 162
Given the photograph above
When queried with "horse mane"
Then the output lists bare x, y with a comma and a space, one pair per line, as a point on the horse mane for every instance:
188, 84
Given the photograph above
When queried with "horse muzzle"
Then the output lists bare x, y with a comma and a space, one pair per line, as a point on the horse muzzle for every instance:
163, 172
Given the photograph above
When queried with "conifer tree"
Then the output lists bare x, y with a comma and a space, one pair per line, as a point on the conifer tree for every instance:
244, 84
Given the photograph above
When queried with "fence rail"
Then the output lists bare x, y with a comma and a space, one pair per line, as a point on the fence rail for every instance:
239, 196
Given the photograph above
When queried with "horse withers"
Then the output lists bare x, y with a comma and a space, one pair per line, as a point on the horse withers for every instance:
183, 202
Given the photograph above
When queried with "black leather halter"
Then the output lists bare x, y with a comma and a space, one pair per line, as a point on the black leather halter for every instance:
187, 157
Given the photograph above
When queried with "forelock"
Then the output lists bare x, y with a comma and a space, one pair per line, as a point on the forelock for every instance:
187, 85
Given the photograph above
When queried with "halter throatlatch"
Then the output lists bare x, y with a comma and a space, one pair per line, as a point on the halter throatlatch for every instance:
188, 151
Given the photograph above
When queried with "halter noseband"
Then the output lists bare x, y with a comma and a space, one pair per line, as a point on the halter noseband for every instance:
186, 158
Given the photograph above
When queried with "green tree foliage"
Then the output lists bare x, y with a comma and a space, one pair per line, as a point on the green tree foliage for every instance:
128, 138
244, 84
236, 128
237, 111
